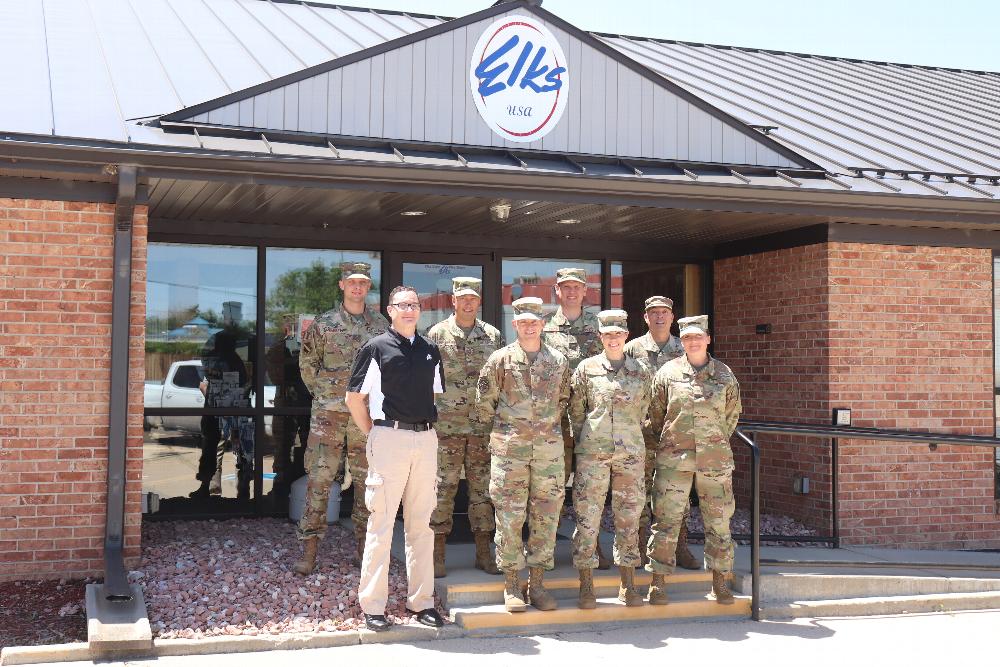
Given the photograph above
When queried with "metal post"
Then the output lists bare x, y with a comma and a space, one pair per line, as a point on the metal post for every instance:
116, 586
754, 524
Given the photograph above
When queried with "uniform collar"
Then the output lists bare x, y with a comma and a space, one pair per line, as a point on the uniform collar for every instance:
688, 369
630, 363
650, 345
348, 315
559, 318
478, 331
521, 357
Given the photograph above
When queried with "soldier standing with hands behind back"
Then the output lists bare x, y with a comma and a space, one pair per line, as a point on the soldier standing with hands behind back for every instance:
573, 332
522, 393
465, 342
695, 408
656, 348
329, 347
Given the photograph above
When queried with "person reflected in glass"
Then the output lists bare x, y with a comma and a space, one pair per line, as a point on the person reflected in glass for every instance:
282, 359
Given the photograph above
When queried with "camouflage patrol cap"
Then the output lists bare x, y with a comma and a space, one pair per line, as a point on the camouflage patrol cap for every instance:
579, 275
464, 286
612, 320
696, 324
659, 302
528, 308
355, 270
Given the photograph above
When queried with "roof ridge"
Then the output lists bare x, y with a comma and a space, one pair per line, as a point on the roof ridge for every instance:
753, 49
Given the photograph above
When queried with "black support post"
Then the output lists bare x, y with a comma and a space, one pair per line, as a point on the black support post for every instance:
116, 586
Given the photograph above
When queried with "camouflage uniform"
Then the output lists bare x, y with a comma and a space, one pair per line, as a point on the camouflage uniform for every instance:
695, 412
607, 409
329, 347
645, 349
577, 340
525, 402
461, 436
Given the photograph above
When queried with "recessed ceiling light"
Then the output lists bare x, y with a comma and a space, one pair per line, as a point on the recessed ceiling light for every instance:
568, 221
414, 213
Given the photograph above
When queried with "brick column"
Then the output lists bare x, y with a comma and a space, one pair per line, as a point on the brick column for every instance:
55, 336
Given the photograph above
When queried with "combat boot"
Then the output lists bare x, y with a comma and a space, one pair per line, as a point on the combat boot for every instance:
538, 597
627, 592
603, 563
308, 562
658, 590
587, 598
513, 598
685, 558
484, 558
722, 593
643, 546
359, 535
439, 544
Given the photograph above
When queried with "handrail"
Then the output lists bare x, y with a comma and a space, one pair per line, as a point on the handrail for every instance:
815, 430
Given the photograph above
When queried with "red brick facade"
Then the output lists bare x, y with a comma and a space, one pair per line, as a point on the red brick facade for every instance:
55, 364
904, 337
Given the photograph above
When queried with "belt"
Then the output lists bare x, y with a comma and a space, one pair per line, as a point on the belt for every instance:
406, 426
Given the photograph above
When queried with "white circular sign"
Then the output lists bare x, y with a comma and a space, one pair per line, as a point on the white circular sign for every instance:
519, 78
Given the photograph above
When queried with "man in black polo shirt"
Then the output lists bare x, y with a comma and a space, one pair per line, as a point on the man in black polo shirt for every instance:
398, 372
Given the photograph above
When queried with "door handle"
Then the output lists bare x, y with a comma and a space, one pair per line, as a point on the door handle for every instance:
168, 395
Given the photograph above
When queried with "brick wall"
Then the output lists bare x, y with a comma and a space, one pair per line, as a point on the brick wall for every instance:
55, 360
911, 347
784, 374
904, 337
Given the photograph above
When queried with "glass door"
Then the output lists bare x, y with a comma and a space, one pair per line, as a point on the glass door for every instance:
432, 273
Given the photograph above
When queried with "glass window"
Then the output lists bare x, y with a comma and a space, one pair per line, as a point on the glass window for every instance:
537, 277
198, 464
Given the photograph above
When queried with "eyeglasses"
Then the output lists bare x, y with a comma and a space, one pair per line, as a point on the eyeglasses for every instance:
406, 306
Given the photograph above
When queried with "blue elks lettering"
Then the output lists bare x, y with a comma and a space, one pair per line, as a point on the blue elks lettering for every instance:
521, 59
487, 75
534, 71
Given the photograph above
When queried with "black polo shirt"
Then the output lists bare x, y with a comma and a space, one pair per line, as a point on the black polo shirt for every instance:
399, 377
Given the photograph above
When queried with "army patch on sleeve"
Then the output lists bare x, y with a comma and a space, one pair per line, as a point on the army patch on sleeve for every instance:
484, 385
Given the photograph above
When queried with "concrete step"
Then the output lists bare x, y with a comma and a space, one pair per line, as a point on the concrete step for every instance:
609, 612
875, 606
787, 587
483, 591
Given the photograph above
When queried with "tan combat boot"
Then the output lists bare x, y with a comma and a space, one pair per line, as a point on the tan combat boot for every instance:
538, 597
603, 563
439, 544
359, 536
685, 558
587, 598
627, 592
484, 558
308, 562
658, 590
722, 593
513, 598
643, 546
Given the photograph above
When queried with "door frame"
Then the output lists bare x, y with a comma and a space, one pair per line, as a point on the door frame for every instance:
392, 272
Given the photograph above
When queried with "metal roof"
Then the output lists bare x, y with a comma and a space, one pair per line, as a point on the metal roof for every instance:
93, 69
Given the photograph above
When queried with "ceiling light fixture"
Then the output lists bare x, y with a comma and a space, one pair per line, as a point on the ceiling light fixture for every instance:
568, 221
414, 213
500, 212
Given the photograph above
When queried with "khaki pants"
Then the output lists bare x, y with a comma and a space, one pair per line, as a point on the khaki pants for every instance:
402, 467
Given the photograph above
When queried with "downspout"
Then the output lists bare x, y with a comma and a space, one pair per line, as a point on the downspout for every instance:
116, 586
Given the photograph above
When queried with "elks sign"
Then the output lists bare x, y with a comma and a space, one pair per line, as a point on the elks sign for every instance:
519, 78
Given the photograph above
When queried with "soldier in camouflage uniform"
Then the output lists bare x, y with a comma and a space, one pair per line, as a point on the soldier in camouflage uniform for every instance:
695, 407
573, 331
522, 393
329, 347
657, 347
465, 343
608, 404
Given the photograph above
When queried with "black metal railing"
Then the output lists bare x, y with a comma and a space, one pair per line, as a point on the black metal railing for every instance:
746, 430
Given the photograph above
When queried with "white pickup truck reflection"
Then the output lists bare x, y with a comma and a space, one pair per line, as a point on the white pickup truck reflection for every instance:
180, 389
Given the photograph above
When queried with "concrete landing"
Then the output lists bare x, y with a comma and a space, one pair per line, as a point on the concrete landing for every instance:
117, 629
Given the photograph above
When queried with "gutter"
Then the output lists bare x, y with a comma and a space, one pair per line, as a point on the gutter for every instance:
116, 586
